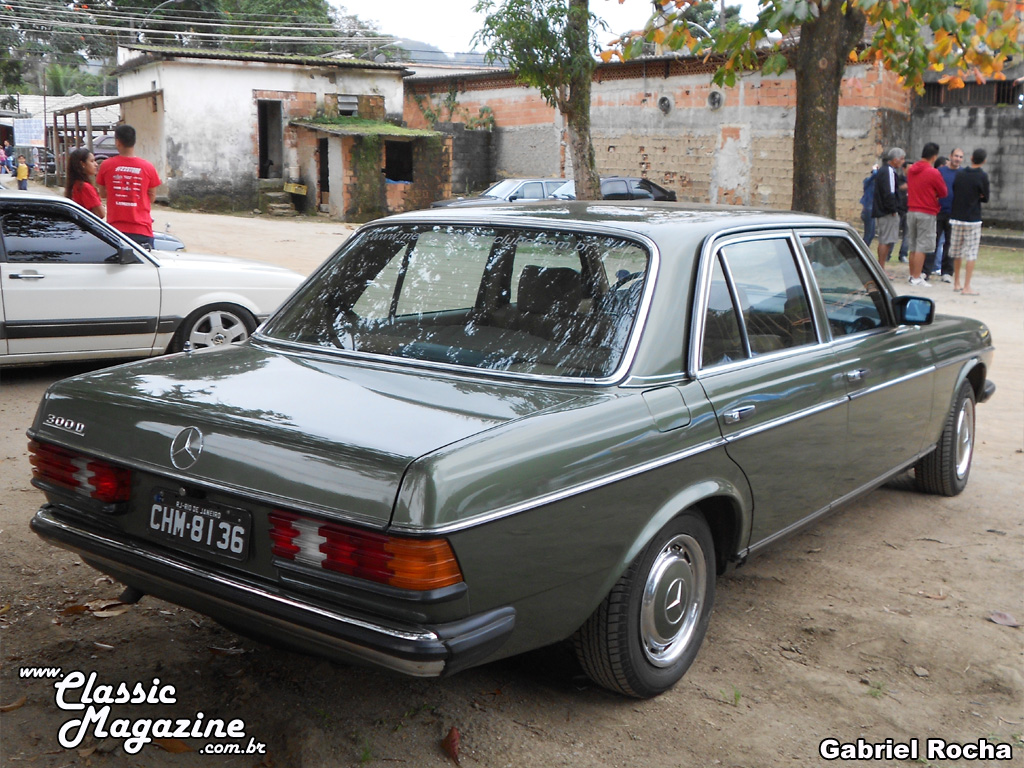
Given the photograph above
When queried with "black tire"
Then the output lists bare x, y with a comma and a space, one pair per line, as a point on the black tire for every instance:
212, 326
638, 642
946, 469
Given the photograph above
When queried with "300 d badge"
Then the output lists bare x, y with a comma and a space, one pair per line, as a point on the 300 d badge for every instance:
64, 424
199, 525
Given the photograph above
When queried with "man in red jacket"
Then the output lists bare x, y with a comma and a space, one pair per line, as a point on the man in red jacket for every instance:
925, 186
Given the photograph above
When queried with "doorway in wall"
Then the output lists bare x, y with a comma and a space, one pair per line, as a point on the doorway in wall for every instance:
324, 174
271, 139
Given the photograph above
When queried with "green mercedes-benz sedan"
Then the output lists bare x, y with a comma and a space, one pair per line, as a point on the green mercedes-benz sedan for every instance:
474, 432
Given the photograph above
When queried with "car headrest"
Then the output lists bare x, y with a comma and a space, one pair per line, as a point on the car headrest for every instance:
551, 290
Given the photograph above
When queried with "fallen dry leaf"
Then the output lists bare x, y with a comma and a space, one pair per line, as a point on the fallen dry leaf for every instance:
1000, 617
75, 609
225, 651
115, 611
174, 746
86, 751
102, 605
450, 744
14, 705
939, 596
5, 608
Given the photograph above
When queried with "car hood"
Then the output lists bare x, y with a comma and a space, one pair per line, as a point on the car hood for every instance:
193, 261
305, 433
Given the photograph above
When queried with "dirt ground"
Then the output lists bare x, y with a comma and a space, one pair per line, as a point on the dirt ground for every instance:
874, 623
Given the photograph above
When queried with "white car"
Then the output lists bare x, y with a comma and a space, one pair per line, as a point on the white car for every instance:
74, 288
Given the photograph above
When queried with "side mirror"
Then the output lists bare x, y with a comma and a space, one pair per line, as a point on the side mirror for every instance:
125, 255
913, 310
513, 197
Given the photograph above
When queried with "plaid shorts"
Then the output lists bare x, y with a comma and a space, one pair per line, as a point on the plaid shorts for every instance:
965, 239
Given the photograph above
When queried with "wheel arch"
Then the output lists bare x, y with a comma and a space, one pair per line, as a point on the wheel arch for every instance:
725, 506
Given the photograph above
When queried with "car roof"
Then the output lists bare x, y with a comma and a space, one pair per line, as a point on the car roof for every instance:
656, 220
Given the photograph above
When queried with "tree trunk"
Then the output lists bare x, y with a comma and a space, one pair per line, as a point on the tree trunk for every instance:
821, 55
576, 107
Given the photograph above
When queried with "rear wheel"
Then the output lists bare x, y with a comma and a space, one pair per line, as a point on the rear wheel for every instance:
641, 640
945, 470
213, 326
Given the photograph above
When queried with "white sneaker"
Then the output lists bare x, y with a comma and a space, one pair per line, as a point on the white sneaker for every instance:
947, 278
918, 281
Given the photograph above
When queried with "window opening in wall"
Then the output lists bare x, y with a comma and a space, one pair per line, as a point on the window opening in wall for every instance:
398, 160
348, 105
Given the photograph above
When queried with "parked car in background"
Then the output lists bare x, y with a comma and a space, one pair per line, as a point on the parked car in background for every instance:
507, 191
476, 432
103, 147
620, 188
74, 288
165, 241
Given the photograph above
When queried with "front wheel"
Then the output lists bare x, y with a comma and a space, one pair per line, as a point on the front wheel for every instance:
213, 326
945, 470
646, 633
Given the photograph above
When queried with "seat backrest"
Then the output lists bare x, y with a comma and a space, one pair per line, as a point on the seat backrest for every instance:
549, 290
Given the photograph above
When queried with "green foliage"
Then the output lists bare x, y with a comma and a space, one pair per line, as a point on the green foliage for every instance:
960, 37
546, 43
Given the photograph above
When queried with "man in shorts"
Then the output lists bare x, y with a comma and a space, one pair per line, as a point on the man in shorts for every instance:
925, 186
970, 190
886, 208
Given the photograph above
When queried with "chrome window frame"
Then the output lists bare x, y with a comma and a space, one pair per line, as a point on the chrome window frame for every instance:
702, 290
616, 377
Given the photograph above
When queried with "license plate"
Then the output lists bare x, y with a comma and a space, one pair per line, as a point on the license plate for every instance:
199, 525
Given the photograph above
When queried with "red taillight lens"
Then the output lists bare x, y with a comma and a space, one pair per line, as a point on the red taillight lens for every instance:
82, 474
419, 564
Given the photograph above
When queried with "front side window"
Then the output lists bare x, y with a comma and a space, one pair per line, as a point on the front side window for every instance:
522, 301
854, 302
756, 285
33, 235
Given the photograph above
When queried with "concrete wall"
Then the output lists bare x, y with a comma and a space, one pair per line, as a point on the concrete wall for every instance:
1000, 130
471, 168
210, 127
659, 120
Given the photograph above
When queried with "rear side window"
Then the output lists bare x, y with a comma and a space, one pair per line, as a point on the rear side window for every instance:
40, 235
854, 302
757, 303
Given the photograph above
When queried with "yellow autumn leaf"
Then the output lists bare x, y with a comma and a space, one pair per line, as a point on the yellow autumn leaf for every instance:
961, 17
606, 56
945, 79
995, 40
956, 82
853, 57
981, 28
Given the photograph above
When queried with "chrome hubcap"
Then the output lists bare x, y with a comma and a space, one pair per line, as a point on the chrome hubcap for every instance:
964, 438
216, 328
672, 601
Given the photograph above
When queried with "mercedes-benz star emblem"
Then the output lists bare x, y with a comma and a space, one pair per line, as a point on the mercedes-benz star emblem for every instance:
186, 447
675, 609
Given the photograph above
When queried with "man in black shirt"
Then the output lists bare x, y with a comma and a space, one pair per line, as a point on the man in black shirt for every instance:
970, 190
886, 203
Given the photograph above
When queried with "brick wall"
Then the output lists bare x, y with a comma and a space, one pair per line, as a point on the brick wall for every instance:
740, 151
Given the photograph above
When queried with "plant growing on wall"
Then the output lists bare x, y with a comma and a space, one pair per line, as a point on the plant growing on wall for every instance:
818, 38
550, 44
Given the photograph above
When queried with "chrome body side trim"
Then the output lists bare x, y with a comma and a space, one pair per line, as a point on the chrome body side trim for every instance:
563, 494
787, 419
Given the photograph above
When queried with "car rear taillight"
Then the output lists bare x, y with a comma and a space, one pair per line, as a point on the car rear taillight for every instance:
420, 564
84, 475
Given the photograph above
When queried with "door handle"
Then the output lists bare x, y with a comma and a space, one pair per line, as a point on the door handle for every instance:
858, 374
26, 276
738, 414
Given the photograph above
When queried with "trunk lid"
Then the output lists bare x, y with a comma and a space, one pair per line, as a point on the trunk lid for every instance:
309, 433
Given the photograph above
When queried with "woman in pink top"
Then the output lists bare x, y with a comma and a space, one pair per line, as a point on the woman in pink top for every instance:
82, 167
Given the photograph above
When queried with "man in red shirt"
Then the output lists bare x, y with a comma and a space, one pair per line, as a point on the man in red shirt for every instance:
128, 184
925, 186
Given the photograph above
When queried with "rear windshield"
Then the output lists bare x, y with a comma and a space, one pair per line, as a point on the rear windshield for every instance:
552, 303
